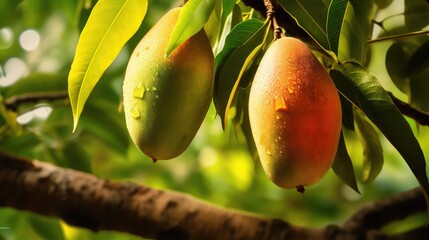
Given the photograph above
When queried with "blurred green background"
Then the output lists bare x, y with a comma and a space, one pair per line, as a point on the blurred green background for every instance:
37, 44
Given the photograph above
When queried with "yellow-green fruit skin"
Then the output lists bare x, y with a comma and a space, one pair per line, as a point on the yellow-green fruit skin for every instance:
166, 99
295, 115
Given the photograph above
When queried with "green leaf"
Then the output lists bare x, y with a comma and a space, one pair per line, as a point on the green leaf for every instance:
227, 7
347, 113
419, 60
395, 57
336, 12
237, 16
212, 26
230, 73
193, 15
243, 123
235, 39
372, 150
407, 63
45, 227
311, 16
75, 157
361, 88
416, 14
110, 25
356, 30
343, 166
108, 128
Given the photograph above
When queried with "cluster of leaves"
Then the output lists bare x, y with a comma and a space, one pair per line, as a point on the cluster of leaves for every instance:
340, 28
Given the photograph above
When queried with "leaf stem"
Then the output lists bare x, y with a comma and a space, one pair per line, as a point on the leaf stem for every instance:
278, 33
398, 36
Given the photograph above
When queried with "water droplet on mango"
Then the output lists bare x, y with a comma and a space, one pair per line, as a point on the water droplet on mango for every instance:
280, 104
135, 113
139, 91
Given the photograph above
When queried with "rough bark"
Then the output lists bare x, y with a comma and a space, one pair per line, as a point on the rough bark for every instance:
84, 200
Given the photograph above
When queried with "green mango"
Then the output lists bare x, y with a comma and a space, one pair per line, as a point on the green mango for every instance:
166, 99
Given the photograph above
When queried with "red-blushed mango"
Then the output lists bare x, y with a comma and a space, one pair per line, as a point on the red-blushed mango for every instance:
166, 99
295, 115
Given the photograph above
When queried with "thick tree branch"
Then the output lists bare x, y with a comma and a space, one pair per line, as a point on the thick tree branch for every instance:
84, 200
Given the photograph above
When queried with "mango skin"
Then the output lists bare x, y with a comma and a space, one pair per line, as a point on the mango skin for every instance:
166, 99
295, 115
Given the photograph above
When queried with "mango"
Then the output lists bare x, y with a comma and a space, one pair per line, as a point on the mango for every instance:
166, 99
295, 115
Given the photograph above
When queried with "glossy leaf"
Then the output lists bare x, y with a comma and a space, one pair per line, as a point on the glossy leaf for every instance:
361, 88
372, 150
311, 16
236, 38
356, 30
343, 166
110, 25
230, 73
193, 15
336, 12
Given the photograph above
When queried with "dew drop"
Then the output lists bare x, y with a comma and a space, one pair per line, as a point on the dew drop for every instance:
280, 104
278, 116
267, 151
290, 90
157, 73
153, 88
135, 113
139, 91
156, 96
267, 101
138, 53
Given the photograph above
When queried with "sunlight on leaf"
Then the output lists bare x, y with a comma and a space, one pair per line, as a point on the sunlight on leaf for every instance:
356, 30
110, 25
193, 15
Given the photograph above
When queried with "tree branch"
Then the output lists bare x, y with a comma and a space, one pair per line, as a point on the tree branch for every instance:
13, 103
406, 109
84, 200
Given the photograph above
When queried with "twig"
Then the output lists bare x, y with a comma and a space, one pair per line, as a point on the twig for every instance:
13, 103
406, 109
398, 36
271, 15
